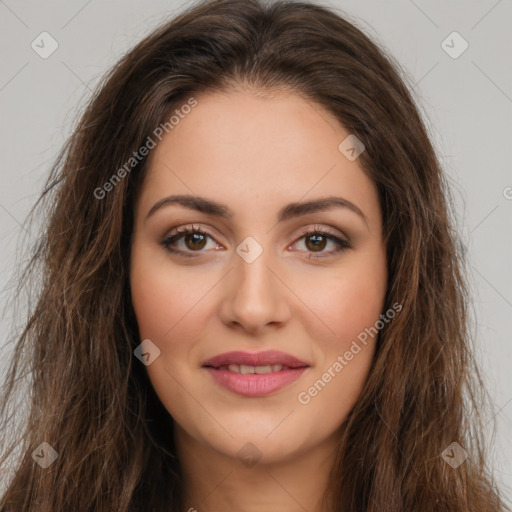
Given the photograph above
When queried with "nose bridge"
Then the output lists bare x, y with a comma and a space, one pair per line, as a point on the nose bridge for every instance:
255, 294
251, 269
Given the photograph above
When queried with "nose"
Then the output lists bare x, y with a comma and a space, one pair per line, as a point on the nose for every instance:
255, 296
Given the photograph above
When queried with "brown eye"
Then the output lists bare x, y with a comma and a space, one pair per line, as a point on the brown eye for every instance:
195, 241
316, 242
192, 241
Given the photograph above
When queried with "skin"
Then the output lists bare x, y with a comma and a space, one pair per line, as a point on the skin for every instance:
256, 155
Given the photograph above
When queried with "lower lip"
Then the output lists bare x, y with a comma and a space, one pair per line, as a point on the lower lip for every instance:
255, 384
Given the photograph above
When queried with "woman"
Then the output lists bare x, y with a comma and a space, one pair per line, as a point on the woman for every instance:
315, 355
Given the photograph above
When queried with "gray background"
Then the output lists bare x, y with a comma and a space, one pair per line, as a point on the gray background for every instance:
466, 102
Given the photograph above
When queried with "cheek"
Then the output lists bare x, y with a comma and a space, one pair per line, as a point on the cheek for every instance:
349, 303
165, 297
345, 301
351, 310
168, 310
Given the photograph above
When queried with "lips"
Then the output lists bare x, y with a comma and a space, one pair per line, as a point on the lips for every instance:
255, 374
265, 358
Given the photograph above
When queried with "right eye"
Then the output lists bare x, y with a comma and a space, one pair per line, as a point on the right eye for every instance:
194, 239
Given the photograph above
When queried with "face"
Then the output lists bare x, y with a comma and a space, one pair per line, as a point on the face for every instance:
255, 274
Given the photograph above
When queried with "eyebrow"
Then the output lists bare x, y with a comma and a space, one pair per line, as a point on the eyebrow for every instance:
215, 209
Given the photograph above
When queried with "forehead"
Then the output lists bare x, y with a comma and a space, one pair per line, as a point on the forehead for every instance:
249, 150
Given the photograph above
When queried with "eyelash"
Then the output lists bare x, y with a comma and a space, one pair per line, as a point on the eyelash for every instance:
342, 245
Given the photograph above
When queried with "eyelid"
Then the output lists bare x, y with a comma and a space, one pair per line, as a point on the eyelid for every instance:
190, 228
194, 227
324, 229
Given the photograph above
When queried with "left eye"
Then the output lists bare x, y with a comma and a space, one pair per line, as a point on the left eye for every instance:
318, 240
195, 241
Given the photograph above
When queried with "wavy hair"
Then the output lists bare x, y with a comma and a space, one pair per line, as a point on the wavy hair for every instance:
93, 403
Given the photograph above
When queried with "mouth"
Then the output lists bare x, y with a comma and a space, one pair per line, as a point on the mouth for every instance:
255, 374
245, 369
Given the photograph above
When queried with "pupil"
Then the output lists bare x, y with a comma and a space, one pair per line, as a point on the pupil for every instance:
196, 241
317, 238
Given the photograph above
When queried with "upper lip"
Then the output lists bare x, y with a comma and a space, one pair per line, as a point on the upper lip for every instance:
264, 358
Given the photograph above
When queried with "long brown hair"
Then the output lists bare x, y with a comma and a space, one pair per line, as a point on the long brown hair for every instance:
92, 401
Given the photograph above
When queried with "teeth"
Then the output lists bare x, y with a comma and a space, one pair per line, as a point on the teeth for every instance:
245, 369
265, 369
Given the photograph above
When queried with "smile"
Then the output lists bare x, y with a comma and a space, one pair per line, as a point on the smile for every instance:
255, 373
247, 369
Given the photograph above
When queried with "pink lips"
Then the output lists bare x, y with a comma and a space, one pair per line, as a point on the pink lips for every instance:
255, 384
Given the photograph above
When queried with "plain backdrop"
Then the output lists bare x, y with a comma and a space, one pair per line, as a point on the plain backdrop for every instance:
465, 98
